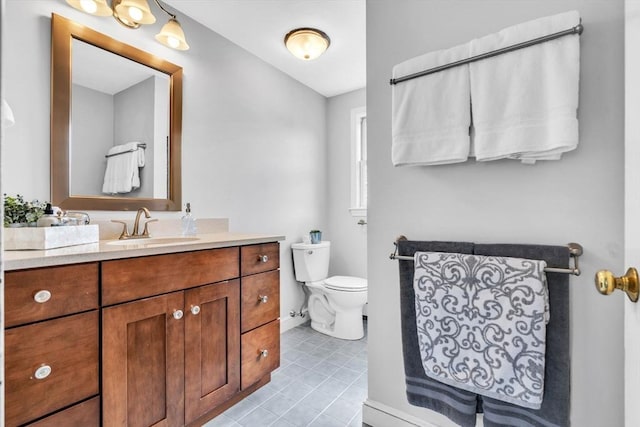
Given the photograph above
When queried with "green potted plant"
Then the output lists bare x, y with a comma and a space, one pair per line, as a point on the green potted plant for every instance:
21, 213
315, 236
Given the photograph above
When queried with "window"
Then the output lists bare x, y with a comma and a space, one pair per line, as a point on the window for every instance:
359, 162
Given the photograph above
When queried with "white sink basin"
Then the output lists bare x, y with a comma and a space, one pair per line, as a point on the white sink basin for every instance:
152, 242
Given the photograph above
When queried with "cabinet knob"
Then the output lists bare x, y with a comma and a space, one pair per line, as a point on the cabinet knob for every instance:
42, 296
177, 314
42, 372
263, 258
263, 299
264, 353
195, 309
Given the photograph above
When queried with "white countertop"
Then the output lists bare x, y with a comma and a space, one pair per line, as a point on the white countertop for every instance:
102, 251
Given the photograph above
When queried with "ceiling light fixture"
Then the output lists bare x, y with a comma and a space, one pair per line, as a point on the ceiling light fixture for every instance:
134, 13
307, 43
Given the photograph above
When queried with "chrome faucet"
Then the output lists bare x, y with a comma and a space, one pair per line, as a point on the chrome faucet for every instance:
136, 226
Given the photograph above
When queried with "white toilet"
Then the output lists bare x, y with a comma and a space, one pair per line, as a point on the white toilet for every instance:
335, 303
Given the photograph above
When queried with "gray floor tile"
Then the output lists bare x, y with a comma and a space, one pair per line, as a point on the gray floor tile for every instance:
241, 409
281, 422
326, 421
319, 399
333, 387
313, 378
346, 375
342, 410
339, 358
301, 414
296, 390
309, 361
293, 370
279, 404
221, 421
326, 367
280, 380
356, 364
322, 382
258, 417
291, 355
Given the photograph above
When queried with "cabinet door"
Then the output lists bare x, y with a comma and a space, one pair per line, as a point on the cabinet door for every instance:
143, 361
212, 346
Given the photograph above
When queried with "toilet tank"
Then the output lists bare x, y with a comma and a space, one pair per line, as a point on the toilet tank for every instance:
311, 261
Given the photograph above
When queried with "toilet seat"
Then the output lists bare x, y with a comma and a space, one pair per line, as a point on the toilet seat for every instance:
346, 284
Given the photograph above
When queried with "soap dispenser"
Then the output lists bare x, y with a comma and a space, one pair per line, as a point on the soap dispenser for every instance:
188, 223
48, 219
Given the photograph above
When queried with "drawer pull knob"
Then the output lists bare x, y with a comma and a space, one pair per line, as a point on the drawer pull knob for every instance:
42, 296
264, 353
42, 372
195, 309
263, 299
263, 258
177, 314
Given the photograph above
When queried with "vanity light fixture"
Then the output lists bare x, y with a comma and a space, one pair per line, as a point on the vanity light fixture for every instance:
307, 43
134, 13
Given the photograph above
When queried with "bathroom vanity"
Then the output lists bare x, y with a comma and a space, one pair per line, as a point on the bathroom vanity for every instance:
141, 334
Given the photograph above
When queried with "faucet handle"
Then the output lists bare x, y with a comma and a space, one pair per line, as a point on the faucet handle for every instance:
125, 231
145, 232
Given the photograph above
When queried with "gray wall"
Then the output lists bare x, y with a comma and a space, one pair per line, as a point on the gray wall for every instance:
91, 138
249, 131
348, 239
134, 120
579, 198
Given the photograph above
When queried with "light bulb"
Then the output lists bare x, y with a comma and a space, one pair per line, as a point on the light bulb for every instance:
88, 6
135, 13
173, 42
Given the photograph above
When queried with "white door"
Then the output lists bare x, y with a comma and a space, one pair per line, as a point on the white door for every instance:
632, 207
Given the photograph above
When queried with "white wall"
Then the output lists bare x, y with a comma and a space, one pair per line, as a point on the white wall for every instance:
254, 140
348, 239
579, 198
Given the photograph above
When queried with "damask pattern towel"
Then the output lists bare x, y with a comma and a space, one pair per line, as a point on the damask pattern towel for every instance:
481, 324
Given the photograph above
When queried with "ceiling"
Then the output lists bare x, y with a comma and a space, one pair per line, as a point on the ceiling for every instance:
259, 26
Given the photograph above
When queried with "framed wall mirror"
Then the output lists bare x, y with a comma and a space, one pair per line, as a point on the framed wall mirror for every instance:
116, 123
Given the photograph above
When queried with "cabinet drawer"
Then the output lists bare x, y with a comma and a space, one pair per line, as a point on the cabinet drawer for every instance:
260, 299
255, 363
85, 414
70, 288
259, 258
135, 278
69, 346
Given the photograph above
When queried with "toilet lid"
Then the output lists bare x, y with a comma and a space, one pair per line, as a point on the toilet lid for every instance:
346, 283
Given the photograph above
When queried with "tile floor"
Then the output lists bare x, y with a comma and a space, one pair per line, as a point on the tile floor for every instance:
321, 382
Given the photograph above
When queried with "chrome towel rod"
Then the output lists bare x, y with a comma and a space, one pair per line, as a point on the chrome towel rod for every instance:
141, 145
575, 30
575, 250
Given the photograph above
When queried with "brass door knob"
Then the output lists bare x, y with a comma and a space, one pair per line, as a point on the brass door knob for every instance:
606, 283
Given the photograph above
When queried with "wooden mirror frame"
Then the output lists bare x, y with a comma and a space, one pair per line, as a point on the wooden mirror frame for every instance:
62, 32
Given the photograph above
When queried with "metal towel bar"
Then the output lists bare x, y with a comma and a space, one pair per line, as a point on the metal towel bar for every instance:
575, 250
575, 30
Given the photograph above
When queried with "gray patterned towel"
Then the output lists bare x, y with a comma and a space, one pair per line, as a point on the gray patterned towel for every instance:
481, 324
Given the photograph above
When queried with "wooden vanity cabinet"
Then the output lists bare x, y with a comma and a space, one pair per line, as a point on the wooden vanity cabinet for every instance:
260, 324
183, 336
52, 346
171, 358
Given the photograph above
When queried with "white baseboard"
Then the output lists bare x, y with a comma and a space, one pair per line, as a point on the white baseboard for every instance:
292, 322
377, 414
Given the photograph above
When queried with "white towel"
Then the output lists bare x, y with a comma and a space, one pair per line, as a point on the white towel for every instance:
432, 114
525, 102
481, 324
122, 174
